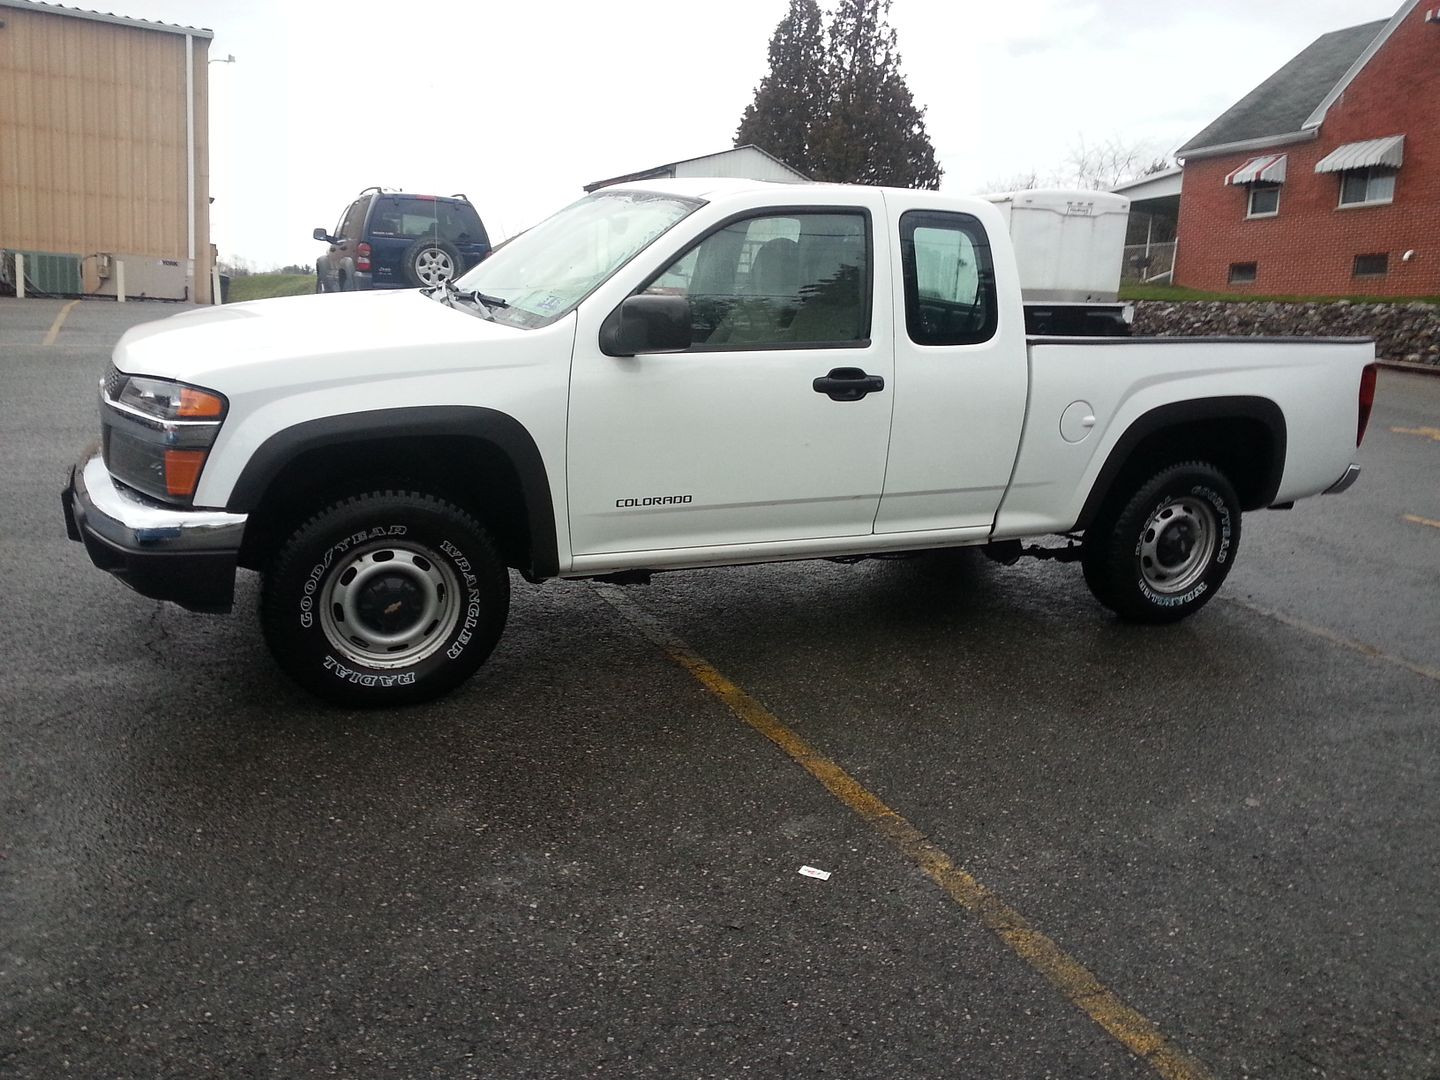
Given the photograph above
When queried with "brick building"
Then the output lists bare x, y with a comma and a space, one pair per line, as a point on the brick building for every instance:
1325, 179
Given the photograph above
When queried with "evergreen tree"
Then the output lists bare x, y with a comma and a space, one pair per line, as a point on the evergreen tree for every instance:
873, 133
790, 101
840, 109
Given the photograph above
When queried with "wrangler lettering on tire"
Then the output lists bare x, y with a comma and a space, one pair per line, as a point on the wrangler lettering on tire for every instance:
385, 598
1158, 551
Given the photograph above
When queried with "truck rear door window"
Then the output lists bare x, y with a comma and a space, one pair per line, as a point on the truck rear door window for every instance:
949, 279
792, 279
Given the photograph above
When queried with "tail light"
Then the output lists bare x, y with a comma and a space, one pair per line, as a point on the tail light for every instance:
362, 256
1367, 401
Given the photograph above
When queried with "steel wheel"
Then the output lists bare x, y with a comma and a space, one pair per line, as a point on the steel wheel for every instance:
384, 598
1177, 544
390, 605
1158, 550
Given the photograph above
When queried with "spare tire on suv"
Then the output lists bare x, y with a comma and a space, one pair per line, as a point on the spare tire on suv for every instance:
428, 262
398, 240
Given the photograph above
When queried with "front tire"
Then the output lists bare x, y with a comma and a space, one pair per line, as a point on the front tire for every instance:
384, 599
1166, 550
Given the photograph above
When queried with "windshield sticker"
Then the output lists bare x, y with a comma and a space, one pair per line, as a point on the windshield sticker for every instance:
549, 302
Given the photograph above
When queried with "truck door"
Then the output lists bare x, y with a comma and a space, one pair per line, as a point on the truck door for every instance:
961, 375
773, 426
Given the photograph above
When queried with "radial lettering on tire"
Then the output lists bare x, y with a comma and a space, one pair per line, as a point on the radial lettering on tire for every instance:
385, 597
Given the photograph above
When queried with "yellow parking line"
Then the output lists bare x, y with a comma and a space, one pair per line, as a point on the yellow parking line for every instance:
1423, 432
59, 321
1078, 985
1417, 520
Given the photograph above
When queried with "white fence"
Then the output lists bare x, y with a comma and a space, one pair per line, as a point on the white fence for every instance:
1148, 262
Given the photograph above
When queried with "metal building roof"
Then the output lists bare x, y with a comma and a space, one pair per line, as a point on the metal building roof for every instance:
669, 169
107, 17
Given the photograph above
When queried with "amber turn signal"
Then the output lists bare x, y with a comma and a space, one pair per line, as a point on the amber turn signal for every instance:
182, 471
197, 403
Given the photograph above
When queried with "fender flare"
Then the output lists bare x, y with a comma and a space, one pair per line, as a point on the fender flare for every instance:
490, 426
1181, 413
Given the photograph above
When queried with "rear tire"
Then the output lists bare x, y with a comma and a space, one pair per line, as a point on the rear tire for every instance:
384, 599
1165, 550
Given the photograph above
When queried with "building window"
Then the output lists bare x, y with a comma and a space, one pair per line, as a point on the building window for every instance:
1243, 273
1366, 187
1372, 265
1264, 200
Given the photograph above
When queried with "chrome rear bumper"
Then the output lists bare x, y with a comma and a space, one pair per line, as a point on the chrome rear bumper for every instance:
1352, 473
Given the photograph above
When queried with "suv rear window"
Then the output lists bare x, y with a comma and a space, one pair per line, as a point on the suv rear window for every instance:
353, 223
411, 218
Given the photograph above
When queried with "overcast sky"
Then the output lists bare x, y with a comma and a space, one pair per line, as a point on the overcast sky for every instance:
520, 105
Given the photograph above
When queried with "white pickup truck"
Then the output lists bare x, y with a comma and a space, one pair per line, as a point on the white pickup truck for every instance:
680, 374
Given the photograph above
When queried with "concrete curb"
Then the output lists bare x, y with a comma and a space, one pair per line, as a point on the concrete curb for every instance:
1403, 365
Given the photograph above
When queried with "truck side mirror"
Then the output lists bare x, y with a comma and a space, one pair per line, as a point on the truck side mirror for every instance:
321, 234
647, 324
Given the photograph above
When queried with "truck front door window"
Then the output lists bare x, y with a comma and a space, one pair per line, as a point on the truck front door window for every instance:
949, 279
764, 282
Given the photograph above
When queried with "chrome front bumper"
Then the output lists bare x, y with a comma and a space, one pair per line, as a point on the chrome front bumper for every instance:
185, 556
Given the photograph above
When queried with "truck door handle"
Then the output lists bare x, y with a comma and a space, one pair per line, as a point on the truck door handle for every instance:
848, 384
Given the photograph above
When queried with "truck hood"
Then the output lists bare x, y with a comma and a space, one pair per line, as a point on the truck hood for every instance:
373, 334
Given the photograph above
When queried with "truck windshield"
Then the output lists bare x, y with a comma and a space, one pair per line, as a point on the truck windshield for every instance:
544, 273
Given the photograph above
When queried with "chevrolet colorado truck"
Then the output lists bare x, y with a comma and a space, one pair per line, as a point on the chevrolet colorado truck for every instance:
680, 374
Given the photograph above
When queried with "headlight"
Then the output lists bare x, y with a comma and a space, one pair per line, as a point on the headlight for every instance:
158, 432
166, 400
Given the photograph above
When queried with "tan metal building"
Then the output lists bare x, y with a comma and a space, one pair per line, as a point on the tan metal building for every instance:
104, 153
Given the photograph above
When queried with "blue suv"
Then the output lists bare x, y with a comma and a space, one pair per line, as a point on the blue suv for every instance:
391, 240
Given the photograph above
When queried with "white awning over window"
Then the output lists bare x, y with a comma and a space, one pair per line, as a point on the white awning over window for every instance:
1388, 152
1269, 169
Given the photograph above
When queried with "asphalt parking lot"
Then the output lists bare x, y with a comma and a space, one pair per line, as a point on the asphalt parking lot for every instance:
1058, 846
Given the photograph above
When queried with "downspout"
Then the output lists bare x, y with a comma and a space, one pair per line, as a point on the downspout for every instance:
190, 167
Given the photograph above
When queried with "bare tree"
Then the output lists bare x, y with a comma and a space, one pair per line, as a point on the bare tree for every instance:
1090, 166
1102, 165
1021, 181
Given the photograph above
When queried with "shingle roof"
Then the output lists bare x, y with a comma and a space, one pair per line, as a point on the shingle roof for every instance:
1282, 103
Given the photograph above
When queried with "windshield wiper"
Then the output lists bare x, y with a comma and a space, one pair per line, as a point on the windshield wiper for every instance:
485, 298
447, 294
